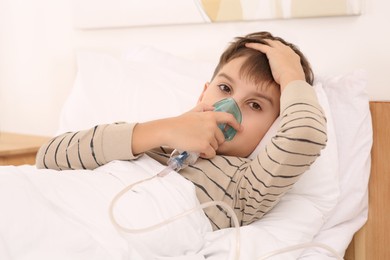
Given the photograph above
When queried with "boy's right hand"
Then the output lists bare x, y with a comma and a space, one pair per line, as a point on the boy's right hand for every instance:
195, 131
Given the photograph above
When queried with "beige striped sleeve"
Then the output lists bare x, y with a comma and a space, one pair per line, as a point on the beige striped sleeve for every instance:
87, 149
254, 187
297, 144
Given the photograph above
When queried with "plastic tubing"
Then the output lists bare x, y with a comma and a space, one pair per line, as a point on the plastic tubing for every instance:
202, 206
174, 218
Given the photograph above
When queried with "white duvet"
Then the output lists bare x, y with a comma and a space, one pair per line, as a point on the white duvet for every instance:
48, 214
64, 215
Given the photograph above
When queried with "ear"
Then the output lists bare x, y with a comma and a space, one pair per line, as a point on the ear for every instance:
206, 85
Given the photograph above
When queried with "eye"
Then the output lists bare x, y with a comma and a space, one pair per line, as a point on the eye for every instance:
255, 106
225, 88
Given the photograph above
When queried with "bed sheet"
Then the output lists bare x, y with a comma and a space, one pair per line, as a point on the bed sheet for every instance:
48, 214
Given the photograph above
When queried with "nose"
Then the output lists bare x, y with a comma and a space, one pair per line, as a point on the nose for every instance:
229, 105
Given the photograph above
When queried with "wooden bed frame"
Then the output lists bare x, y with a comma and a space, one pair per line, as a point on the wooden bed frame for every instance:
372, 241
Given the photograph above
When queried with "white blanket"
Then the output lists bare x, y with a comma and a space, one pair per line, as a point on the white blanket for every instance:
48, 214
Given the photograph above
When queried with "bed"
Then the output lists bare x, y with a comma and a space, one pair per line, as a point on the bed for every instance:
64, 215
336, 206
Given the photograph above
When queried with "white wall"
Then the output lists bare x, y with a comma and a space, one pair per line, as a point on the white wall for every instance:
36, 64
37, 57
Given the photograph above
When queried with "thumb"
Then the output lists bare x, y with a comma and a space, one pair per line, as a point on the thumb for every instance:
202, 107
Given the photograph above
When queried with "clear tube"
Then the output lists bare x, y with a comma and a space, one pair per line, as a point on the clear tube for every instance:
176, 217
202, 206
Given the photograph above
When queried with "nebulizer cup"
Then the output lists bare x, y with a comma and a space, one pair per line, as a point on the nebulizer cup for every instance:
228, 105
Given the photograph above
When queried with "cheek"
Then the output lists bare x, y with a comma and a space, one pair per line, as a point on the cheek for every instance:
253, 132
256, 127
208, 98
212, 94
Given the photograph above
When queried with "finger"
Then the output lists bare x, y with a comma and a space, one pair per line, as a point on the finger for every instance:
214, 143
224, 117
208, 108
201, 107
219, 137
274, 43
264, 48
208, 153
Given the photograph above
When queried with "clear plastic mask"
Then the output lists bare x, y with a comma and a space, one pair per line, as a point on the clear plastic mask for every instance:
230, 106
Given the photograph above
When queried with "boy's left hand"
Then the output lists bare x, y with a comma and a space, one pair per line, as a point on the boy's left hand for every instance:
284, 62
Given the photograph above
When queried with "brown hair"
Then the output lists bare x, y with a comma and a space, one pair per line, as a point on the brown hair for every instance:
256, 67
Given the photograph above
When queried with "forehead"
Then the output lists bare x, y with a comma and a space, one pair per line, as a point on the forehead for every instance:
253, 67
237, 74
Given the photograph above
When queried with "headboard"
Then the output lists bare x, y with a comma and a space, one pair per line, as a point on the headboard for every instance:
372, 240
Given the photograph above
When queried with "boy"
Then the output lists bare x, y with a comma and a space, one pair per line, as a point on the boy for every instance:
266, 76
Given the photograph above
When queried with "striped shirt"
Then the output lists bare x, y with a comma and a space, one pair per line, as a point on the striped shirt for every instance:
250, 187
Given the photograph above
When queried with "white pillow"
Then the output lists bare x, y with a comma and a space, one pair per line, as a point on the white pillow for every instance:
109, 89
346, 160
349, 105
320, 183
312, 199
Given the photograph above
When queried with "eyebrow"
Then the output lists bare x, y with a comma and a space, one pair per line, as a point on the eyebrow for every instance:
267, 98
224, 75
257, 94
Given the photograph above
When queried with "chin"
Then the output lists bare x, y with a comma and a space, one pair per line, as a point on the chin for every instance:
227, 150
223, 150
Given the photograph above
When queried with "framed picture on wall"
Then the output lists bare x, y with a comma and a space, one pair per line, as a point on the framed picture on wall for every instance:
127, 13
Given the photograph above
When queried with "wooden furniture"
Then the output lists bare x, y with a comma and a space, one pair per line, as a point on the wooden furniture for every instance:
372, 241
18, 149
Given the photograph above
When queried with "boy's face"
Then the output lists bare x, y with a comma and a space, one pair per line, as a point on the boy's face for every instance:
259, 105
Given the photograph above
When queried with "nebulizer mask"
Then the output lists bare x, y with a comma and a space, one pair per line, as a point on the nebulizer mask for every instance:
230, 106
181, 159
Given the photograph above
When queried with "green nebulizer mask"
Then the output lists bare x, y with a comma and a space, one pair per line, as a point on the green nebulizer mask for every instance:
230, 106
